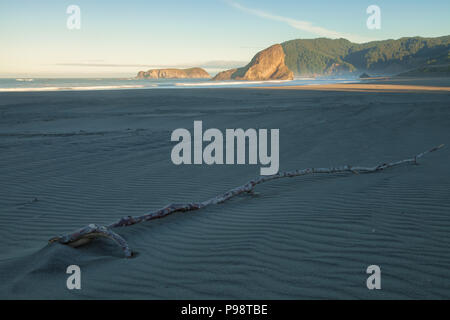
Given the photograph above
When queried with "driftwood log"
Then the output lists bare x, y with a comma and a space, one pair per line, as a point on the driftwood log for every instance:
92, 231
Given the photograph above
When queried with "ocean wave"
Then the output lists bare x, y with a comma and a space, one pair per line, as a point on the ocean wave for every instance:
24, 79
228, 83
85, 88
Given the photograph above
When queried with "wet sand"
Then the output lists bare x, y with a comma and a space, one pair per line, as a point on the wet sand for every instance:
73, 158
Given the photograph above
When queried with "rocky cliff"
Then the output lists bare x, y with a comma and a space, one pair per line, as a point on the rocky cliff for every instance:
191, 73
266, 65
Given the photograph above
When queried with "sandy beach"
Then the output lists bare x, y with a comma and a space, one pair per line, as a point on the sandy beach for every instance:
73, 158
382, 84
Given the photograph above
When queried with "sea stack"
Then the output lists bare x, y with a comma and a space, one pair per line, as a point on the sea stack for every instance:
191, 73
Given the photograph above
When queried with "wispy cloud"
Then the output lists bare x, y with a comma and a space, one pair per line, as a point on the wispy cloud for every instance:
299, 24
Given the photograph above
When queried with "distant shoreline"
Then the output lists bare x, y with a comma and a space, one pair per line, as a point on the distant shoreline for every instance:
67, 85
363, 87
380, 84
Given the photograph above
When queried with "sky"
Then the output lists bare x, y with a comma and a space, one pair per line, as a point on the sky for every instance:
119, 38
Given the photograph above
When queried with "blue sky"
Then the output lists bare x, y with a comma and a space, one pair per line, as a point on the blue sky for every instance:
119, 38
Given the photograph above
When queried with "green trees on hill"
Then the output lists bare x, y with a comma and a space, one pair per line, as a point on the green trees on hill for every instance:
326, 56
316, 56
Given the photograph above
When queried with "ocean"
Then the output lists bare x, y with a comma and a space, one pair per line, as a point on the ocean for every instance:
82, 84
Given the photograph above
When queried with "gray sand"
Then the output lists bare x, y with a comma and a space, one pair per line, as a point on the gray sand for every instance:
93, 157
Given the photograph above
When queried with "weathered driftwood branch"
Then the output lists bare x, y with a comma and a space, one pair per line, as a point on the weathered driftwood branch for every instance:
92, 231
